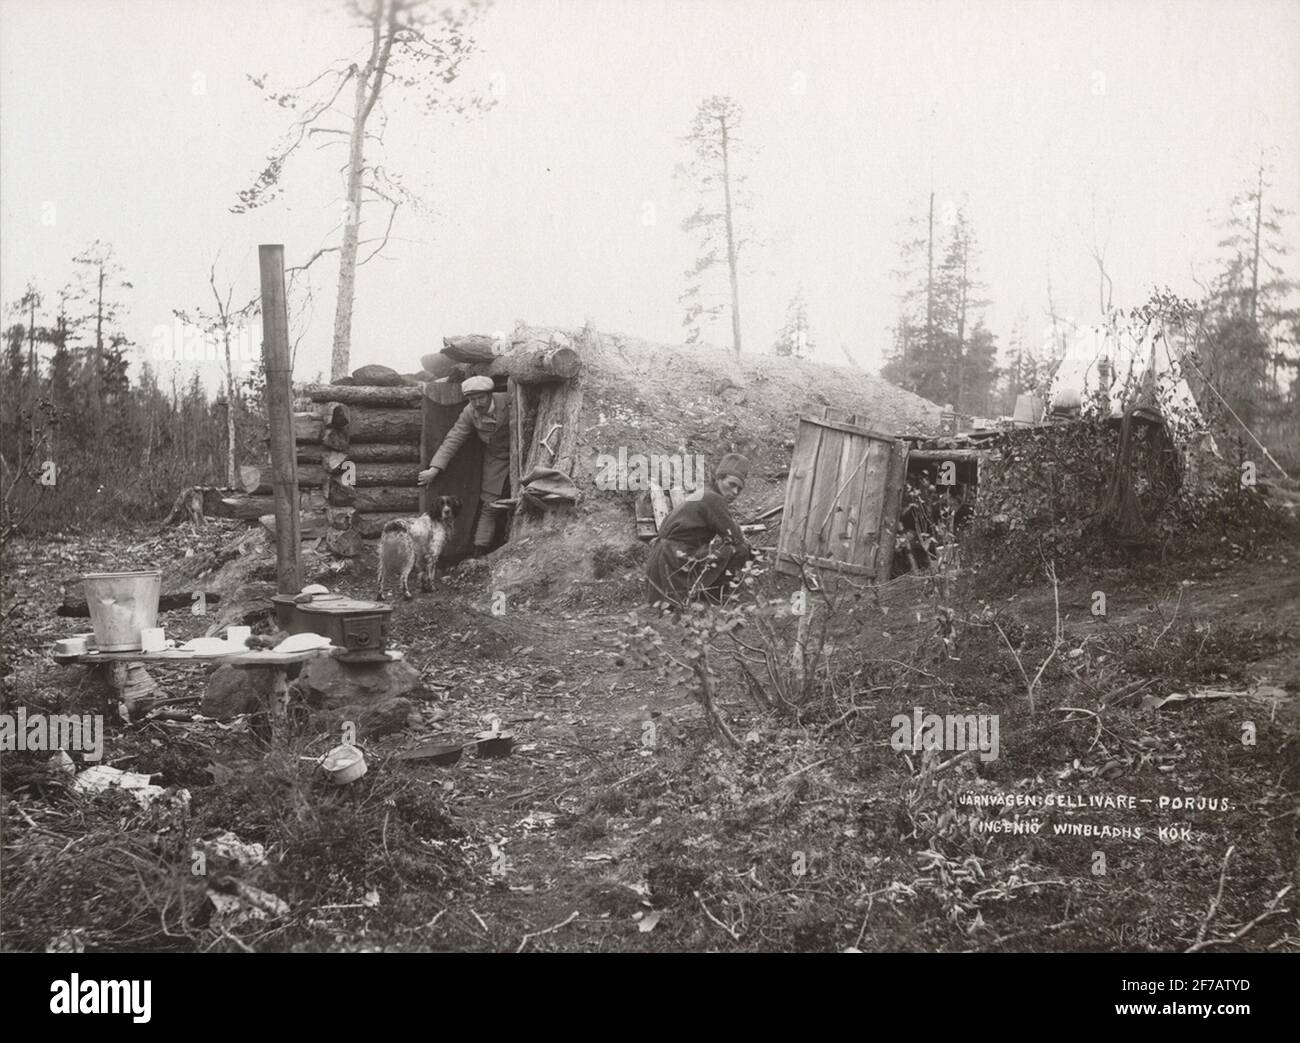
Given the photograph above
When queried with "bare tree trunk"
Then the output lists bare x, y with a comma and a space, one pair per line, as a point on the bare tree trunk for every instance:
370, 81
731, 239
230, 407
98, 361
929, 282
961, 329
340, 360
1051, 312
1254, 265
33, 375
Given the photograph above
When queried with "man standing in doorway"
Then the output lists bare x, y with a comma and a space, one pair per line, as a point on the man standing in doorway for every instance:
488, 416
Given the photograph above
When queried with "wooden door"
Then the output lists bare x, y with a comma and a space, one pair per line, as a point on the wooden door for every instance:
842, 499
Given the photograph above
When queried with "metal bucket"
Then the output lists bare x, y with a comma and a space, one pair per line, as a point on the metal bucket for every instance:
121, 605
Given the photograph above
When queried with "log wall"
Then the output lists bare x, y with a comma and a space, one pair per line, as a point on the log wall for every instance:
360, 447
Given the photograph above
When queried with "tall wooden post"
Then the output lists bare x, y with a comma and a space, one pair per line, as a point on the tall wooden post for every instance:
279, 412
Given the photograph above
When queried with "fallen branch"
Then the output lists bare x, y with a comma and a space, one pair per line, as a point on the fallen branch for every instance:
1218, 897
729, 930
549, 930
1240, 933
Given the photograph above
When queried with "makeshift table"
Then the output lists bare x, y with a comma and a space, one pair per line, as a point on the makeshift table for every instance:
120, 665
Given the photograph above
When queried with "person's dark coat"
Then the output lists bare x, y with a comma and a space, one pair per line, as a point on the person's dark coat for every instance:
699, 548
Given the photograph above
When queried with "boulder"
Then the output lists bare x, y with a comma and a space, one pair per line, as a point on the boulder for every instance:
378, 376
371, 719
232, 691
328, 682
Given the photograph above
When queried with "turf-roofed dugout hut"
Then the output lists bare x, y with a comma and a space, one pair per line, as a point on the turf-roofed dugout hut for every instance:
662, 400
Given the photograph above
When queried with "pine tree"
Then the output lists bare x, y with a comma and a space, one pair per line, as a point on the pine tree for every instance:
1248, 352
714, 137
795, 338
942, 350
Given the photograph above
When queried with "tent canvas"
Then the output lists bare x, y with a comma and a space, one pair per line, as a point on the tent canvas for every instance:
1113, 368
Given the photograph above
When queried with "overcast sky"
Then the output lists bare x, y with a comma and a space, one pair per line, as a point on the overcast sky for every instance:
133, 122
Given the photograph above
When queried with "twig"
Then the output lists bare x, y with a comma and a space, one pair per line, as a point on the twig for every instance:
537, 934
866, 916
1237, 935
1033, 930
1214, 903
734, 935
1173, 619
808, 767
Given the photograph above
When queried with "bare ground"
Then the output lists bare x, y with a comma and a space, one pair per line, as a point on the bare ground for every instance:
617, 824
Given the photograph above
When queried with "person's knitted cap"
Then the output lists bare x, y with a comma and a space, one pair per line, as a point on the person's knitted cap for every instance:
474, 384
733, 464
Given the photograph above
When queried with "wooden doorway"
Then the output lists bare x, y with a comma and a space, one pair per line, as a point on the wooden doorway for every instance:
842, 499
442, 403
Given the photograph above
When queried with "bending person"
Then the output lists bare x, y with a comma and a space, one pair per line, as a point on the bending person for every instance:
700, 548
487, 415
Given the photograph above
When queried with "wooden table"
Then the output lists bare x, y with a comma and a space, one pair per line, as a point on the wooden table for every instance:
179, 657
120, 664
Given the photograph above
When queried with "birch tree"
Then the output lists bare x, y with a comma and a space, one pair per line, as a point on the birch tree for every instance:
411, 48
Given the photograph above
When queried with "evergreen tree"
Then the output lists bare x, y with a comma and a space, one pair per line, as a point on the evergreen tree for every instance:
795, 339
944, 352
714, 137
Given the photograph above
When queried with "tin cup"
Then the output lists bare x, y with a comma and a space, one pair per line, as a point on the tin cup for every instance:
152, 639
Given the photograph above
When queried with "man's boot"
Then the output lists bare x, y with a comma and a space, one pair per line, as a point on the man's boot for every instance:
480, 551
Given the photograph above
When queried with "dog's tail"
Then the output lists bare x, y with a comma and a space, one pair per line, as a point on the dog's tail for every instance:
390, 549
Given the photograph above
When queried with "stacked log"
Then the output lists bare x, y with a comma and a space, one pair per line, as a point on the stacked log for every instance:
358, 443
363, 441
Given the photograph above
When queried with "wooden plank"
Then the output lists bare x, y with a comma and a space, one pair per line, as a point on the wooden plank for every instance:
895, 481
826, 480
789, 565
659, 503
939, 455
179, 657
516, 429
853, 429
846, 523
798, 483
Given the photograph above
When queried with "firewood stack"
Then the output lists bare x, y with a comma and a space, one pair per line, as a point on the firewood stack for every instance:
363, 441
358, 440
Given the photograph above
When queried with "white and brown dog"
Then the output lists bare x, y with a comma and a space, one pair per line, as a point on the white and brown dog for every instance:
416, 543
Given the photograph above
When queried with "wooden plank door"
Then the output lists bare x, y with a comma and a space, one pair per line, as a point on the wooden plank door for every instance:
842, 495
